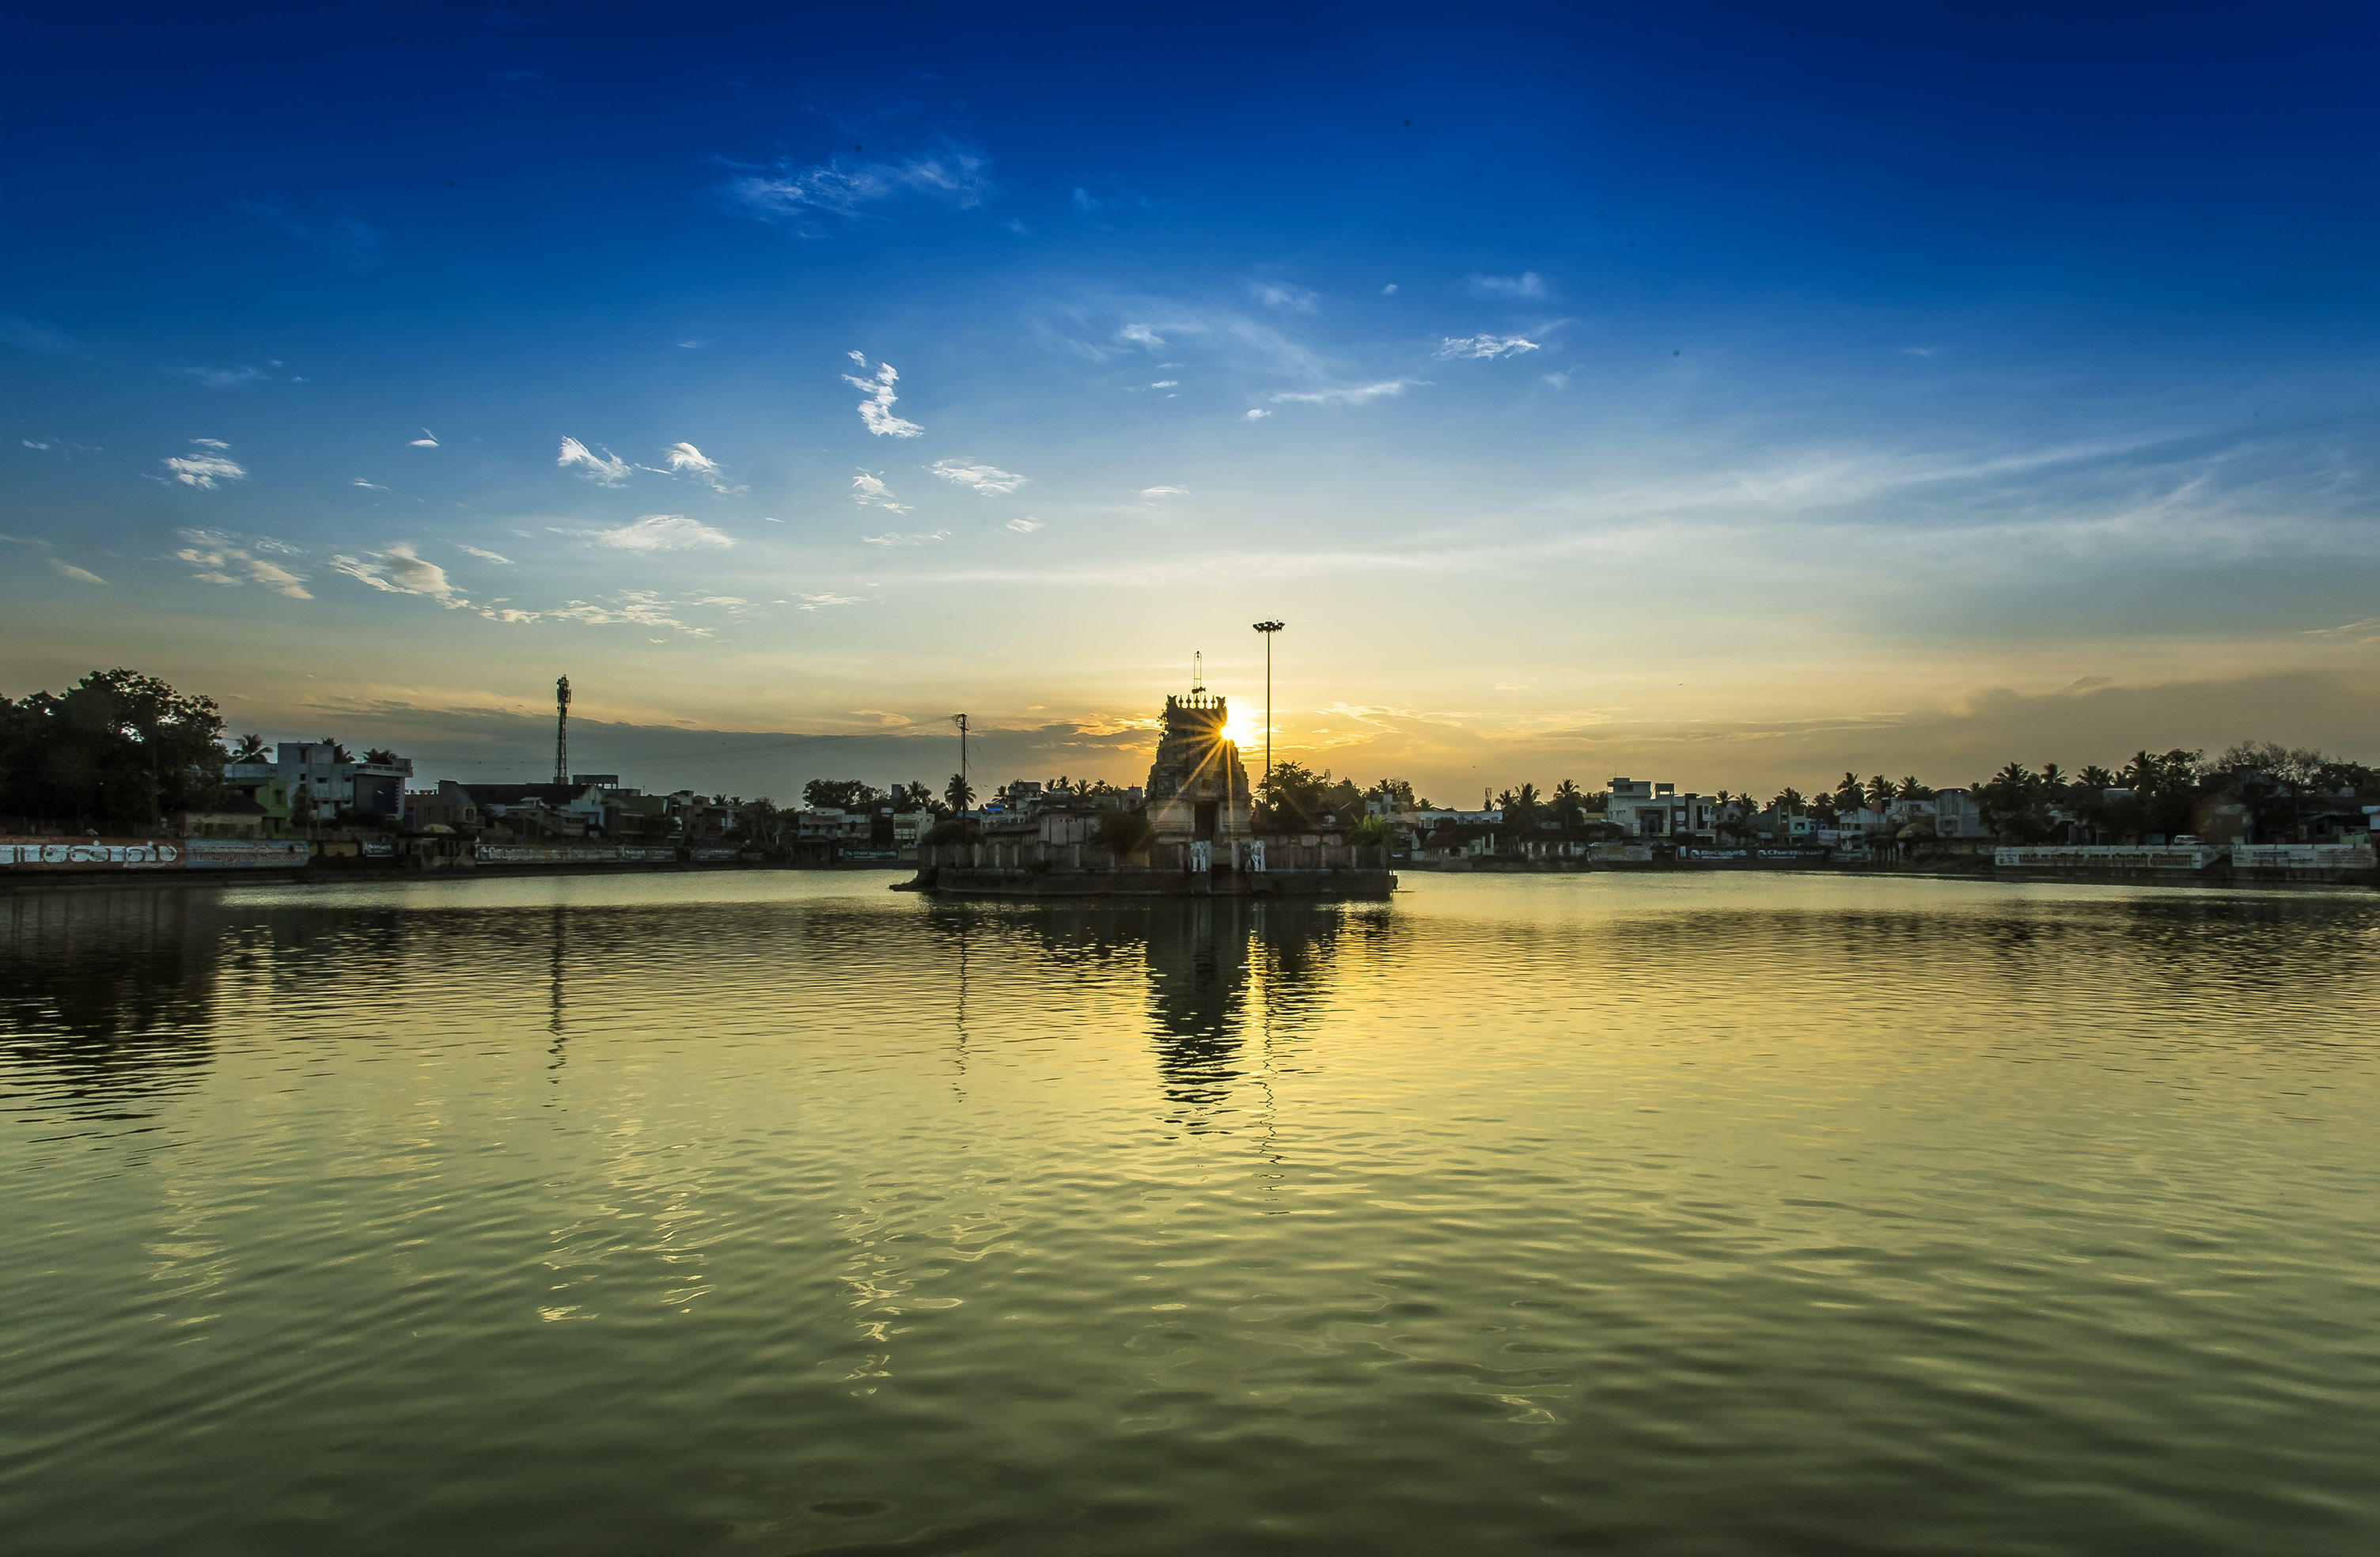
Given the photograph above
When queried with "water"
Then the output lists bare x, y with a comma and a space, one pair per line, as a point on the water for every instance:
778, 1214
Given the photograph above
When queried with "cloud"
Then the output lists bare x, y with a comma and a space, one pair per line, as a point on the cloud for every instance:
1025, 526
640, 608
1276, 294
2364, 631
955, 175
39, 339
1556, 381
877, 409
428, 440
1465, 347
484, 555
223, 378
220, 557
1389, 290
1351, 394
374, 486
205, 470
659, 532
891, 539
80, 574
349, 242
400, 570
1166, 384
817, 603
1258, 414
868, 489
985, 478
1165, 492
608, 470
1527, 286
692, 346
685, 459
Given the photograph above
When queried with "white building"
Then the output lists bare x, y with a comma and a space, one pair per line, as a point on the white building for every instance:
1645, 810
315, 780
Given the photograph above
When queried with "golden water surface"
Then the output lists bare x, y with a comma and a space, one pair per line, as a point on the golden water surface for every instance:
776, 1212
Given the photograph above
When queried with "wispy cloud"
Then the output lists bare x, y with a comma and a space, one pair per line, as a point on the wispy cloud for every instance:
684, 459
1527, 286
223, 558
373, 486
428, 440
64, 568
820, 602
1024, 526
868, 489
1556, 381
350, 242
207, 469
1165, 492
1350, 394
659, 532
39, 339
1467, 347
1257, 413
484, 555
222, 378
893, 539
2364, 631
1281, 294
986, 478
400, 570
876, 411
606, 469
954, 176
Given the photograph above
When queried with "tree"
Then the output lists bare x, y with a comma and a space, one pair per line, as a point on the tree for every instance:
338, 753
1295, 797
250, 749
115, 747
841, 795
1121, 832
2095, 778
1789, 802
1880, 794
1909, 789
1569, 804
914, 797
1849, 795
959, 793
1522, 806
2014, 803
382, 755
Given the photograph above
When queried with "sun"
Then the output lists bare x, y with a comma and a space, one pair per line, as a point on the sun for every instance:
1235, 732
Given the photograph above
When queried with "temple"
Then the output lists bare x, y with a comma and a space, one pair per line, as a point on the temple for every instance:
1197, 790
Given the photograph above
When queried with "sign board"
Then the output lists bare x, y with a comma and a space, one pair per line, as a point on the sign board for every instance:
245, 854
90, 854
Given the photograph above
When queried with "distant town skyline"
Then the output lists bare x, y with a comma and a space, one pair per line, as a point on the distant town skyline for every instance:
1703, 397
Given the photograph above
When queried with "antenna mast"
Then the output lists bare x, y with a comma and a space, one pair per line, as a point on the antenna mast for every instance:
961, 721
1197, 673
561, 730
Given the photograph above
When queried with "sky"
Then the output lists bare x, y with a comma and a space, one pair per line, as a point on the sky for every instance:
1725, 395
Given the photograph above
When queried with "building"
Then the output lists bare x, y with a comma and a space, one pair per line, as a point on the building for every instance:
1645, 810
310, 780
1956, 815
1197, 790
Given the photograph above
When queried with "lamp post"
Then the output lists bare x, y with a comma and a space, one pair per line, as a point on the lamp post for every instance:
1268, 629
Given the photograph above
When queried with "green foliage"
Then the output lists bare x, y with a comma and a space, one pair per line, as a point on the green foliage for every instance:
841, 795
1121, 832
958, 793
116, 746
1296, 799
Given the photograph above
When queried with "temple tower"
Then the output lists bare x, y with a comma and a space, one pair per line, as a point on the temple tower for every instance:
1196, 787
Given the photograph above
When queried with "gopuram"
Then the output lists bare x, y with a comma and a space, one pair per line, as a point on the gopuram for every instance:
1197, 790
1190, 833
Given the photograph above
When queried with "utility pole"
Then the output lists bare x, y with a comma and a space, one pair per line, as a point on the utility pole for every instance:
1268, 629
961, 721
561, 730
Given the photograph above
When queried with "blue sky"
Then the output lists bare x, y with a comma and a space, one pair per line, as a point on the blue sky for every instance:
1735, 395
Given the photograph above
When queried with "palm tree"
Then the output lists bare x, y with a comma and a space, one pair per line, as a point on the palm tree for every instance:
2095, 778
1880, 794
1788, 801
959, 793
1909, 789
250, 750
2053, 776
1849, 795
